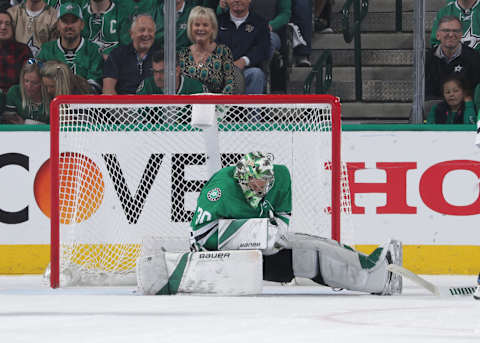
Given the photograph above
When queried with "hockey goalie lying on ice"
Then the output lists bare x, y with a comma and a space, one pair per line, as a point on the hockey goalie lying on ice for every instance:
240, 236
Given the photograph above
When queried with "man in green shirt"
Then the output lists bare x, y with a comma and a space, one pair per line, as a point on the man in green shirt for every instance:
102, 25
468, 12
81, 55
155, 84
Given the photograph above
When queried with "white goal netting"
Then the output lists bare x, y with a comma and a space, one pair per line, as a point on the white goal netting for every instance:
130, 172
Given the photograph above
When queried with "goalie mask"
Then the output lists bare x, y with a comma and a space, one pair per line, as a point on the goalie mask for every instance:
254, 174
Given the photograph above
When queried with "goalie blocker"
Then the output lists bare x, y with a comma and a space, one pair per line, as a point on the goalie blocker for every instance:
238, 270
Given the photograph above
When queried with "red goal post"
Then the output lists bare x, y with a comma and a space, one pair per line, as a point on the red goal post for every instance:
96, 140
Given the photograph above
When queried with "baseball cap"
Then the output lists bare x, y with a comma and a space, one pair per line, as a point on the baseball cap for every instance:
70, 8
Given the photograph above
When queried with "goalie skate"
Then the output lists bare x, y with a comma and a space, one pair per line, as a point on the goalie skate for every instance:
394, 255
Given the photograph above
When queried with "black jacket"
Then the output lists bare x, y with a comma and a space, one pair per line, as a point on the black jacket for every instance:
467, 66
251, 39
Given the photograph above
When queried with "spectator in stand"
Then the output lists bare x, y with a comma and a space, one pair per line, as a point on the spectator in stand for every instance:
468, 12
128, 65
457, 105
183, 9
102, 25
248, 36
302, 32
71, 48
35, 23
205, 60
27, 103
277, 13
323, 13
58, 79
450, 57
128, 10
12, 53
57, 3
156, 83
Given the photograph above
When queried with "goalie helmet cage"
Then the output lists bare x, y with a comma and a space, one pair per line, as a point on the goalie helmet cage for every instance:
105, 147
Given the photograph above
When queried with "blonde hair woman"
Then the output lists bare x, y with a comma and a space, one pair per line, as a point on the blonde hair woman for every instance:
58, 79
27, 103
205, 60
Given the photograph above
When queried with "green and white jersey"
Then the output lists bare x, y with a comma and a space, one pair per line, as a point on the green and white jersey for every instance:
14, 104
84, 61
102, 29
187, 86
57, 3
222, 198
470, 20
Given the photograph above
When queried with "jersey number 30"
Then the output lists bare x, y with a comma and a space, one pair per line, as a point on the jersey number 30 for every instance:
202, 216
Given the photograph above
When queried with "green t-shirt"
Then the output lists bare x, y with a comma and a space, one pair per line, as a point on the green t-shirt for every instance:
14, 104
187, 86
222, 198
470, 23
102, 29
85, 61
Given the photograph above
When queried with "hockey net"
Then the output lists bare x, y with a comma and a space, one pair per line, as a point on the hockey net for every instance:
126, 169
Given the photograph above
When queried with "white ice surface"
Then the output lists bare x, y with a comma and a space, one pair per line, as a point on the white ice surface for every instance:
32, 312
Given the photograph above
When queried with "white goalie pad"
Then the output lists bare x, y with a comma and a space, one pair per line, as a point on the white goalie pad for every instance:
209, 272
253, 233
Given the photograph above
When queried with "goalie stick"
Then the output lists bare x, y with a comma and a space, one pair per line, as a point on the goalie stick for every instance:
438, 291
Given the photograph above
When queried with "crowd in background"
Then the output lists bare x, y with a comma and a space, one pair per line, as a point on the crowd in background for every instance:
55, 47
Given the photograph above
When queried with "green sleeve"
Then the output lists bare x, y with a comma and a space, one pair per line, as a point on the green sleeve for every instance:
43, 54
431, 115
469, 115
95, 71
284, 11
13, 99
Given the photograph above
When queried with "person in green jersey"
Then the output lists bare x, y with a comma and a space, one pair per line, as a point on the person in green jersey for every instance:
155, 84
81, 55
57, 3
183, 9
468, 12
27, 102
102, 25
240, 201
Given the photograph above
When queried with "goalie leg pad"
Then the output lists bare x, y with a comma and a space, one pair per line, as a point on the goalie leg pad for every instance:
342, 267
209, 272
152, 274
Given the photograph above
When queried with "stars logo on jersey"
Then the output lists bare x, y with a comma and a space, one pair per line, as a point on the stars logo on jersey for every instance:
471, 39
458, 69
35, 49
102, 44
214, 194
